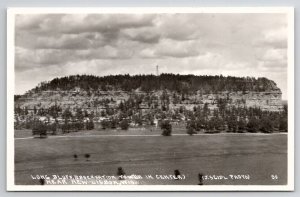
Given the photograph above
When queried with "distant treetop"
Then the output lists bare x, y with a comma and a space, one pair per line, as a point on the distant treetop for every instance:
172, 82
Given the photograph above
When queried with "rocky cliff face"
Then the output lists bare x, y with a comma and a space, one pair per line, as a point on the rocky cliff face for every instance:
269, 101
153, 92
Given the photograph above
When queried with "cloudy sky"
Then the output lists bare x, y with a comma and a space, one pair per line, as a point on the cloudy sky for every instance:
56, 45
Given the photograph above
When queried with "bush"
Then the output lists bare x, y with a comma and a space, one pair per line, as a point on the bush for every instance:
53, 128
200, 124
113, 123
75, 156
214, 125
90, 125
39, 128
252, 125
200, 178
120, 173
191, 126
79, 125
283, 125
232, 124
28, 125
87, 156
266, 125
241, 125
176, 174
70, 127
105, 124
65, 128
124, 124
191, 130
166, 128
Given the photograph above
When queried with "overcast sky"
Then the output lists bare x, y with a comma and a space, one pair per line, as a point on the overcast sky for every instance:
49, 46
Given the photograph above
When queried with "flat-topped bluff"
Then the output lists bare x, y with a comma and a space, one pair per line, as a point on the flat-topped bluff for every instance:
153, 92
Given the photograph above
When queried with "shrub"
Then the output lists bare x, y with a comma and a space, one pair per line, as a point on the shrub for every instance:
232, 124
120, 173
113, 123
176, 174
266, 125
124, 124
191, 130
166, 128
105, 124
241, 125
200, 178
28, 125
191, 125
283, 125
75, 156
79, 125
90, 125
252, 125
53, 128
214, 125
65, 128
42, 181
39, 128
87, 156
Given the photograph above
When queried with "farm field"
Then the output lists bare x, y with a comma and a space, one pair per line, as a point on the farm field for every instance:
257, 155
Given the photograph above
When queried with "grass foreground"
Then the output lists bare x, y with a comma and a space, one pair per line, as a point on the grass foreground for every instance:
258, 157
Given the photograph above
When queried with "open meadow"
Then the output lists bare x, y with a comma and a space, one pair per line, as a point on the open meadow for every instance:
261, 157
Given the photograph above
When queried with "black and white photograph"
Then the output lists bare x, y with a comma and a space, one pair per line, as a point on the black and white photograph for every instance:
150, 99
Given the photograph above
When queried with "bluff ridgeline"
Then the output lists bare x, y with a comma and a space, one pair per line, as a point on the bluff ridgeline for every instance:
169, 91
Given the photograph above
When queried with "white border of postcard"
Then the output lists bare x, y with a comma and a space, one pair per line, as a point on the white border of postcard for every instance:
11, 12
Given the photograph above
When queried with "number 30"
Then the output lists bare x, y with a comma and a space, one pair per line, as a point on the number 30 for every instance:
274, 176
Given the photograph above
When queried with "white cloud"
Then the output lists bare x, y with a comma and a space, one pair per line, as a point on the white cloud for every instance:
101, 44
276, 36
275, 54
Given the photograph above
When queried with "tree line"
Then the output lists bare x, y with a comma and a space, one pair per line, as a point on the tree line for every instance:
172, 82
200, 119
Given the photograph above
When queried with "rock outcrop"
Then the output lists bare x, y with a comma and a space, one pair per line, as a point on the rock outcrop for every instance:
269, 101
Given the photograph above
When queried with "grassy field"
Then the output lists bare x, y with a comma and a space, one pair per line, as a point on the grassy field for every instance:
257, 155
131, 131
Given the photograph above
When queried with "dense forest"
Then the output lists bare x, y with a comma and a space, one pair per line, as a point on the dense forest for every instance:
172, 82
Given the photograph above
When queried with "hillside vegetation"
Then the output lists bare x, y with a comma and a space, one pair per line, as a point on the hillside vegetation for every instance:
201, 103
172, 82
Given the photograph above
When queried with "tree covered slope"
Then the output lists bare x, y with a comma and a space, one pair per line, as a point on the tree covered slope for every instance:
172, 82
